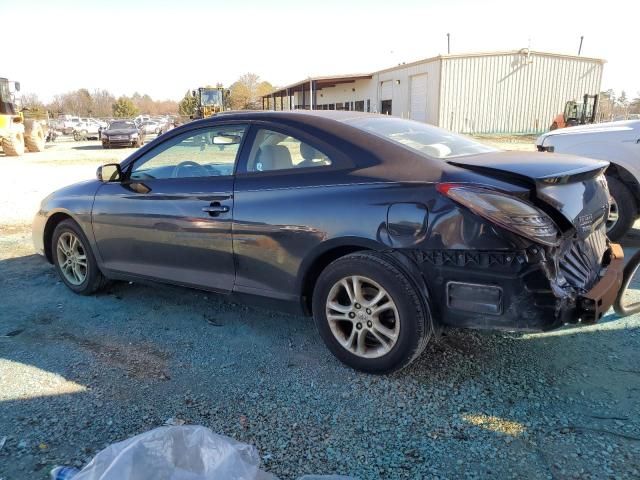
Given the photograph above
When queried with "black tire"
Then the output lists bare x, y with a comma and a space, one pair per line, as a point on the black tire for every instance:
13, 145
629, 271
94, 279
415, 321
627, 209
34, 138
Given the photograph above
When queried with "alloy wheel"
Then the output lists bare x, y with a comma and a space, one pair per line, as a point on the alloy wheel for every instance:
72, 258
363, 317
612, 219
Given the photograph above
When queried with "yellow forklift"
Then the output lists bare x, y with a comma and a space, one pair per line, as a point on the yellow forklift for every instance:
209, 101
19, 130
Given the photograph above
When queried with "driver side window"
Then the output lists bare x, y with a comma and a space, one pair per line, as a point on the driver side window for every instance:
206, 152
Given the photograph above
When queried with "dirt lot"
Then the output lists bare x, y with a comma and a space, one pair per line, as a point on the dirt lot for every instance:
78, 373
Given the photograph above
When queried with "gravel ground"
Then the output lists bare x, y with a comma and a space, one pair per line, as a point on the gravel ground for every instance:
79, 373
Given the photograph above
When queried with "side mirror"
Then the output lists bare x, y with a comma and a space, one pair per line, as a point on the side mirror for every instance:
110, 172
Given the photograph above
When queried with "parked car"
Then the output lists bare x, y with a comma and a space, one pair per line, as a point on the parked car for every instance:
619, 144
100, 123
66, 123
150, 127
122, 133
383, 229
85, 130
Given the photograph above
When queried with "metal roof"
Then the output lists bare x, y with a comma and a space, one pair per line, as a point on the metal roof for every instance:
332, 80
321, 82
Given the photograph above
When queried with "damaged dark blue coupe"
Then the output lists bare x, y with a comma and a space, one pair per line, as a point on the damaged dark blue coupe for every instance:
382, 229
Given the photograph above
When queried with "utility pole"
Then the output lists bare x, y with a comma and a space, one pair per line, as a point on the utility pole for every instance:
580, 47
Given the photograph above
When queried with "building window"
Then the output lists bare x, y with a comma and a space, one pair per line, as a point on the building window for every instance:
346, 106
339, 106
332, 106
368, 105
385, 107
359, 106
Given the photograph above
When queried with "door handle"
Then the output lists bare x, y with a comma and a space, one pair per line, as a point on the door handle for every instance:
215, 209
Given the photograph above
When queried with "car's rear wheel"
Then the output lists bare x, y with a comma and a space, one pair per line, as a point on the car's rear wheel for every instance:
74, 260
622, 211
369, 313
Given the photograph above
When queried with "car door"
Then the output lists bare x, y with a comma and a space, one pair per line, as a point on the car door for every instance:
285, 200
170, 218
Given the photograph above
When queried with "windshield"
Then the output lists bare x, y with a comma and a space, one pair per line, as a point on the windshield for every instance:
431, 141
6, 103
210, 97
115, 125
5, 96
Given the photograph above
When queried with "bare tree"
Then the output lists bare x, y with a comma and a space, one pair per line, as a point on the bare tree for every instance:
246, 92
31, 101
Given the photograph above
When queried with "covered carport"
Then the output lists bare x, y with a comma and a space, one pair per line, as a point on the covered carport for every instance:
303, 95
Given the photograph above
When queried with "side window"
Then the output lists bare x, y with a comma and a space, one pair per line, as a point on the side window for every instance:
277, 151
207, 152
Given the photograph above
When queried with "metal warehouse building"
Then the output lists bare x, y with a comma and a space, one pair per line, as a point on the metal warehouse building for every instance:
490, 93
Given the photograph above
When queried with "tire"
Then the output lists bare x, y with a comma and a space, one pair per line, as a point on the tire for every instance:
34, 138
13, 146
630, 269
93, 279
626, 208
412, 328
76, 136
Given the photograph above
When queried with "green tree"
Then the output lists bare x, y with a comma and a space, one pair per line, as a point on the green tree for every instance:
124, 108
187, 106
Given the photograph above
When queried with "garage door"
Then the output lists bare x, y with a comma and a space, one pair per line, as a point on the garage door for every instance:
419, 97
386, 90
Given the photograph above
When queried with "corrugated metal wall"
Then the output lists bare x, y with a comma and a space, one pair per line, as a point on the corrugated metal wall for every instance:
402, 91
512, 93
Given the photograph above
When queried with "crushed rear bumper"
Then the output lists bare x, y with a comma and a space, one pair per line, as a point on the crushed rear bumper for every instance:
528, 290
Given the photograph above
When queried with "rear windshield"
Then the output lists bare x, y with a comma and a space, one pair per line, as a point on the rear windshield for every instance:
431, 141
116, 125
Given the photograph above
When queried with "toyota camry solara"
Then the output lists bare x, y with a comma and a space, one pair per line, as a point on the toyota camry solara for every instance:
382, 229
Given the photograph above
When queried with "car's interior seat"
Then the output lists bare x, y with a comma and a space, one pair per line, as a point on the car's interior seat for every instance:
311, 156
273, 157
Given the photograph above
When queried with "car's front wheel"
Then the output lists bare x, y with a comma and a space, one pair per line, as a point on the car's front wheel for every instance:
74, 260
622, 210
369, 313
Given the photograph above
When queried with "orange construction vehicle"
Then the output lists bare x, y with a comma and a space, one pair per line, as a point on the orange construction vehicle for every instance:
576, 113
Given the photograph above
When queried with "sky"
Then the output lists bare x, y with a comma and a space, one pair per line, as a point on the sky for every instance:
164, 48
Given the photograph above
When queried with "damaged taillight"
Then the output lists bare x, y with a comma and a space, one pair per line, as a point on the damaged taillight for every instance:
504, 210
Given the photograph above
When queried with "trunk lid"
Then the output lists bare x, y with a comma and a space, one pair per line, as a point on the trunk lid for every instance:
570, 185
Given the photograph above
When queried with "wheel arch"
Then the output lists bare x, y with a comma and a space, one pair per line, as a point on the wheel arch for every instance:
47, 235
628, 179
321, 257
336, 248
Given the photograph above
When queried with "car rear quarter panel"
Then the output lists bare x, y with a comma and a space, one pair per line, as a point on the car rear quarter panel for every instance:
279, 232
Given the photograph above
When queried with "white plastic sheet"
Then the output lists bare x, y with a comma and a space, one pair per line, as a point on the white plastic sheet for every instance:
176, 453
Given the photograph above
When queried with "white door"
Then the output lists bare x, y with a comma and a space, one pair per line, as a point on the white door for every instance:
386, 90
419, 97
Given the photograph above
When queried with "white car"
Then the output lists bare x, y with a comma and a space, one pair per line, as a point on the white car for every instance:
150, 126
85, 130
617, 142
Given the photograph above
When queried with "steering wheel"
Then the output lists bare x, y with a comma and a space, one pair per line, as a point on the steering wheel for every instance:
202, 172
